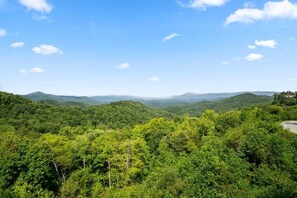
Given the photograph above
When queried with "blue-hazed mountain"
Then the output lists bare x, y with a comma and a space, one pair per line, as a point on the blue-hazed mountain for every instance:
40, 96
187, 98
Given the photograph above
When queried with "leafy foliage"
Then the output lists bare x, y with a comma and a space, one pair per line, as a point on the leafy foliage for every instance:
126, 149
285, 98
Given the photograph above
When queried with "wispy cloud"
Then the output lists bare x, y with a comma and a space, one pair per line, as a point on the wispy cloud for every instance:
253, 57
47, 50
266, 43
203, 4
251, 46
292, 38
23, 71
3, 32
38, 17
154, 79
272, 10
170, 37
37, 70
17, 44
37, 5
249, 4
123, 66
224, 63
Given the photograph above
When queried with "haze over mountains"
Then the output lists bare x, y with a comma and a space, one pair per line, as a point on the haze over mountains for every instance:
186, 98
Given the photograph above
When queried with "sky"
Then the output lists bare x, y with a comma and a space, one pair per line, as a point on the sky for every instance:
152, 48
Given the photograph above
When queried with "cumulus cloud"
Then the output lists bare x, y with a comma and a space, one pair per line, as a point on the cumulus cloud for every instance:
17, 44
203, 4
170, 37
123, 66
251, 46
2, 32
272, 10
266, 43
47, 50
37, 70
37, 5
154, 79
253, 57
23, 71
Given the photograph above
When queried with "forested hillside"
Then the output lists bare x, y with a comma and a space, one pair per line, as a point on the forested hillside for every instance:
125, 149
232, 103
22, 113
39, 96
285, 98
188, 98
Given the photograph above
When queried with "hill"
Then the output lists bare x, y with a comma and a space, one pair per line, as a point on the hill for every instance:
42, 117
126, 149
187, 98
39, 96
235, 102
192, 97
125, 113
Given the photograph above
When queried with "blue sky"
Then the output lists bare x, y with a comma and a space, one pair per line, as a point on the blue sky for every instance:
148, 47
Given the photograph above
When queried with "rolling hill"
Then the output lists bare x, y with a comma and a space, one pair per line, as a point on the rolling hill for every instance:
184, 99
235, 102
19, 112
39, 96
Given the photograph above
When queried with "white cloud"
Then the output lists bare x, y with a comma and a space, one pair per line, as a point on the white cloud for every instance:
224, 63
37, 70
37, 17
2, 32
37, 5
123, 66
253, 57
246, 15
249, 4
154, 79
292, 38
47, 50
251, 46
17, 44
267, 43
272, 10
203, 4
23, 71
170, 36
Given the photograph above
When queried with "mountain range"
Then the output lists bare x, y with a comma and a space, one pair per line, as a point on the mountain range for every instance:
187, 98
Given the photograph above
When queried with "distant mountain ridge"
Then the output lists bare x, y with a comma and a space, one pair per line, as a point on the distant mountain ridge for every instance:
187, 98
192, 97
40, 96
227, 104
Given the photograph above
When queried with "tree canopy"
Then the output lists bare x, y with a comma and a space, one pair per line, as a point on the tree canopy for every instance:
125, 149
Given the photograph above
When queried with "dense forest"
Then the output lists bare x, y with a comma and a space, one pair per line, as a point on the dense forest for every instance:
126, 149
227, 104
